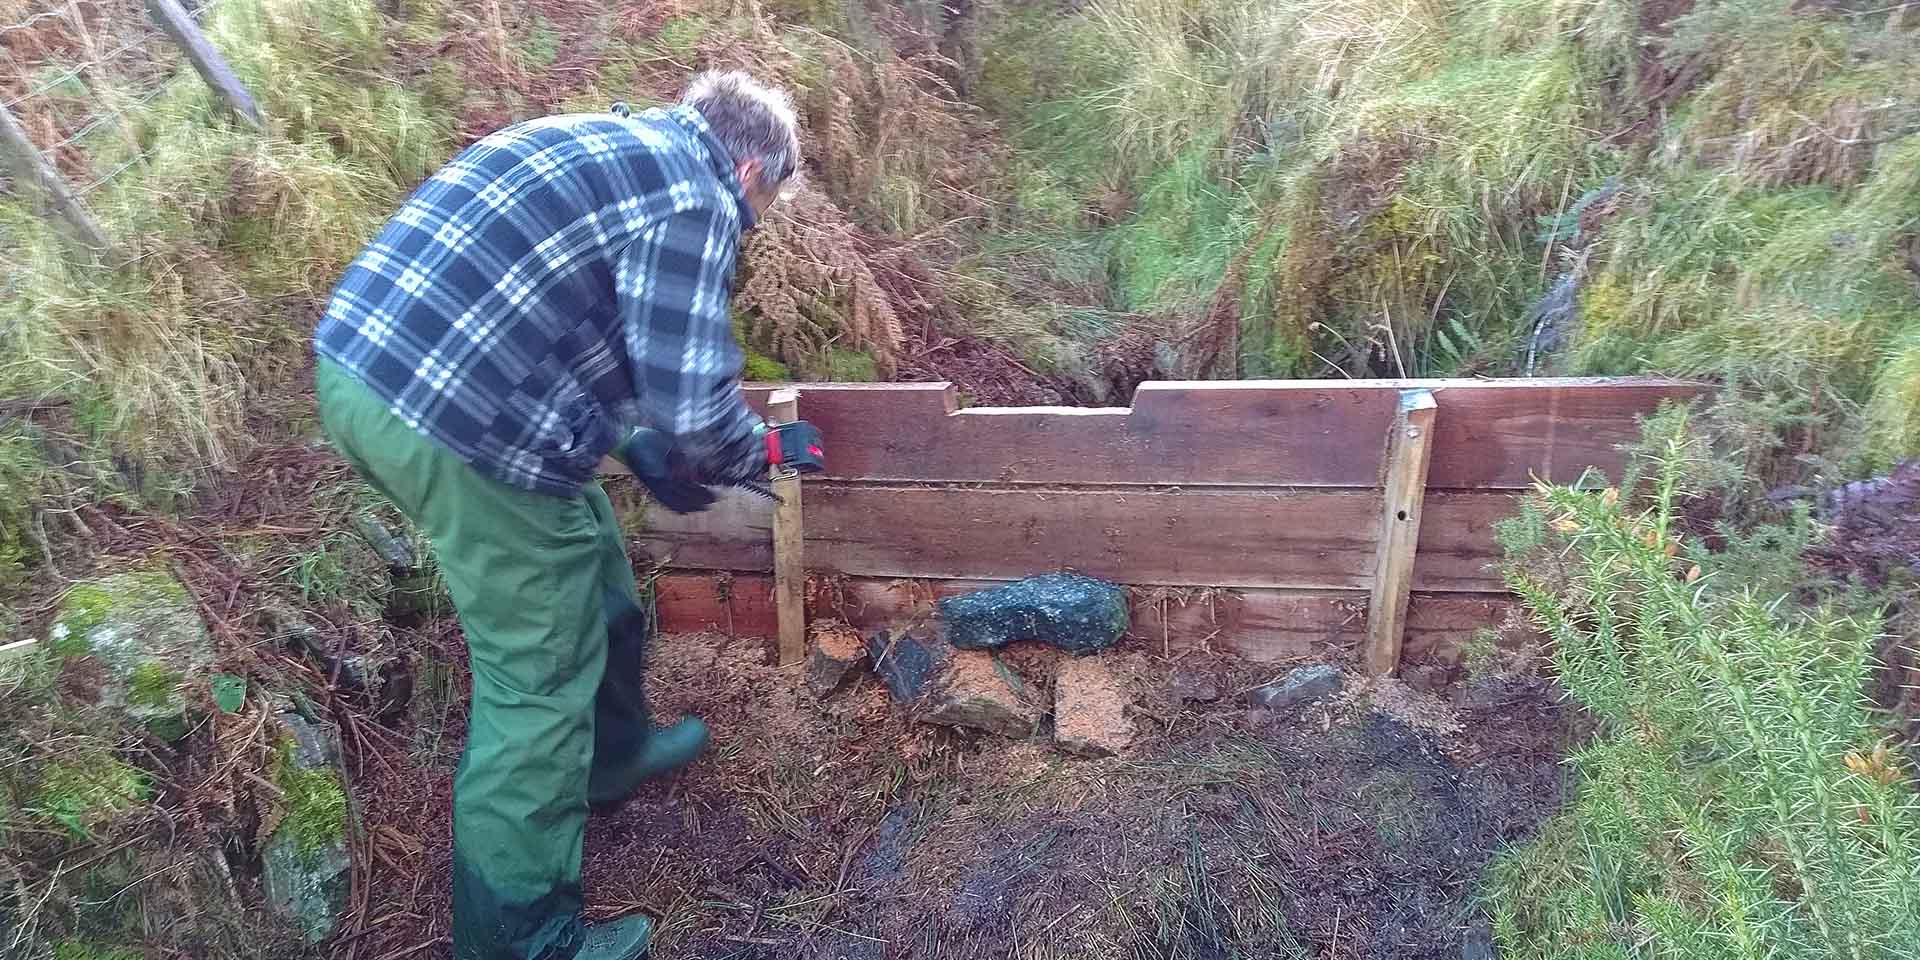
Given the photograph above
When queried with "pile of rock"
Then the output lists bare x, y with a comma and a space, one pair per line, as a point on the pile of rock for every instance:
136, 649
948, 670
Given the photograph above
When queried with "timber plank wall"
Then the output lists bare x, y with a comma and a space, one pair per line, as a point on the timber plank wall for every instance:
1245, 514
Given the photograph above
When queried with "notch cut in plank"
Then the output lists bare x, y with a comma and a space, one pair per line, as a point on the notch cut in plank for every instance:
1498, 434
1409, 450
789, 568
212, 67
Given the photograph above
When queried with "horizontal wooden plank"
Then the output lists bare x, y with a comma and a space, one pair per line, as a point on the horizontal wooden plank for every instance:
1259, 624
1488, 433
1222, 536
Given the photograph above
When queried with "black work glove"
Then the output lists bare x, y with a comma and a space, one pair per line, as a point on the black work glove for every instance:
647, 453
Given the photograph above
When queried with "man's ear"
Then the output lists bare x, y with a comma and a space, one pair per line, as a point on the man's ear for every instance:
749, 173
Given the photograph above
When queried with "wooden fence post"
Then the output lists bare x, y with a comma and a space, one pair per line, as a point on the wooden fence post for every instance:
212, 67
1409, 449
789, 571
31, 167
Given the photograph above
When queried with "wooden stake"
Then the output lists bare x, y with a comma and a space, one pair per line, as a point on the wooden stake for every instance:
789, 572
212, 67
30, 166
1409, 446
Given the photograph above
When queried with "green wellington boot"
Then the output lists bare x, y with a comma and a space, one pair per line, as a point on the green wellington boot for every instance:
662, 752
629, 749
622, 939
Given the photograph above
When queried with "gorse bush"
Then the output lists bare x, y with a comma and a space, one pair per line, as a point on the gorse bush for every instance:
1740, 800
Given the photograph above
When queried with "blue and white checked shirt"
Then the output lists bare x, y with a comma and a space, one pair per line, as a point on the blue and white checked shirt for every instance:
554, 285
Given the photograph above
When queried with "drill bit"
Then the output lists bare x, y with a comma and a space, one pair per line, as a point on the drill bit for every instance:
762, 490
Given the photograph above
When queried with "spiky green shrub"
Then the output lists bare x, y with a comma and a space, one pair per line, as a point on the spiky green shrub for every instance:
1739, 800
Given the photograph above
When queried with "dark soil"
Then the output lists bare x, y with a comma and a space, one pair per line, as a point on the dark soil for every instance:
833, 829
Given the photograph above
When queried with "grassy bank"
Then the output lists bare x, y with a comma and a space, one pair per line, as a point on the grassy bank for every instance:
1718, 189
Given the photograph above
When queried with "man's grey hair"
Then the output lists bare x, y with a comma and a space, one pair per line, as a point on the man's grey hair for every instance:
753, 121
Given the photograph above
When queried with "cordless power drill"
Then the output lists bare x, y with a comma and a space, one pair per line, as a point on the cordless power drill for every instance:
792, 448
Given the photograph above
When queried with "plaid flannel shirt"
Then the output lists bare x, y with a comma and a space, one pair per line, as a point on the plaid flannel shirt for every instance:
555, 285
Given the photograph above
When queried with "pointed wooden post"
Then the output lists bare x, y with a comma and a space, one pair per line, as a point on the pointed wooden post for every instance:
213, 68
789, 572
18, 150
1409, 447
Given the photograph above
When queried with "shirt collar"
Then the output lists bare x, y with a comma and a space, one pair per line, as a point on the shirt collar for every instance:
718, 157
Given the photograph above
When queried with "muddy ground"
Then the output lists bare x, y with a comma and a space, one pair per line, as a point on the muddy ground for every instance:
1354, 828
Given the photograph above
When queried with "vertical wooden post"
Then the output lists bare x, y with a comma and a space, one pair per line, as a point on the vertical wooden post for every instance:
30, 167
212, 67
1409, 446
789, 572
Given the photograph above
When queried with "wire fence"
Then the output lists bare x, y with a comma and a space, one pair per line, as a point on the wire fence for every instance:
77, 75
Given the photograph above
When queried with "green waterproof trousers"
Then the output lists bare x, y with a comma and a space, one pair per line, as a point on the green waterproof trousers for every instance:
536, 580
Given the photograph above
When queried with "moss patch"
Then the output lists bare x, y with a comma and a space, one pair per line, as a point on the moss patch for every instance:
315, 804
81, 794
88, 605
85, 608
765, 369
153, 685
851, 366
88, 950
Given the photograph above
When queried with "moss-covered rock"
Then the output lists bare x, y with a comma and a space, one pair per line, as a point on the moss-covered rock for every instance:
143, 629
306, 864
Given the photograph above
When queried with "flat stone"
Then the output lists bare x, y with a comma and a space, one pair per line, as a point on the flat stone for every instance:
838, 651
956, 688
1302, 685
1090, 708
976, 690
353, 672
1193, 685
315, 745
144, 630
1077, 614
906, 660
392, 549
309, 889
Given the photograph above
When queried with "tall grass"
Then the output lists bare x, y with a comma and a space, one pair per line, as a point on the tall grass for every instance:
223, 239
1741, 799
1428, 166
